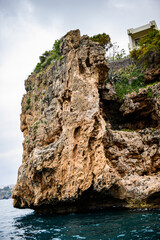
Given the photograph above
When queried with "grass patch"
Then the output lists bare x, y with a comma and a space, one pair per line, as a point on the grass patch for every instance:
127, 130
152, 84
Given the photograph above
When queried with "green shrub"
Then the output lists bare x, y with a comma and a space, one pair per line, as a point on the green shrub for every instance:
38, 68
31, 87
27, 107
60, 58
149, 93
112, 77
56, 47
103, 39
46, 53
35, 127
42, 59
28, 101
43, 65
127, 80
47, 57
107, 129
148, 52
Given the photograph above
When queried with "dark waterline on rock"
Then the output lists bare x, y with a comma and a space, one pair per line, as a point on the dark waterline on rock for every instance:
110, 224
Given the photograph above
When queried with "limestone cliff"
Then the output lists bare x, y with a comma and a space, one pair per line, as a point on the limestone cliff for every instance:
83, 149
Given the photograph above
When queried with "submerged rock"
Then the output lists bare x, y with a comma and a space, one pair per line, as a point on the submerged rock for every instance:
82, 148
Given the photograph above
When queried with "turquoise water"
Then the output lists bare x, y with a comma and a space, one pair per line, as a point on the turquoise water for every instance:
112, 224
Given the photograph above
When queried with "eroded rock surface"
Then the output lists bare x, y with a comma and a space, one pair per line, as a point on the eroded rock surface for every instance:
82, 148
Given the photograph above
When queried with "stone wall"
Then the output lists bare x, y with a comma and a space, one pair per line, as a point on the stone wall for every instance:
115, 65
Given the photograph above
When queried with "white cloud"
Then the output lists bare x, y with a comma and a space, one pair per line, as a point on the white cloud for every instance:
121, 5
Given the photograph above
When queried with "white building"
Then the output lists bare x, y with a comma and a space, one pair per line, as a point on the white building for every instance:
136, 33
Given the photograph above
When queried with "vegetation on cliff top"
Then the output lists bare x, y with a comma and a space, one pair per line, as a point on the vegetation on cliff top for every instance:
125, 80
103, 39
49, 56
131, 78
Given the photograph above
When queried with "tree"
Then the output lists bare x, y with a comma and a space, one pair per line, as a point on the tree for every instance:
103, 39
148, 51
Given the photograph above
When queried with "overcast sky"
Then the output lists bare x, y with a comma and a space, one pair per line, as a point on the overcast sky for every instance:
28, 28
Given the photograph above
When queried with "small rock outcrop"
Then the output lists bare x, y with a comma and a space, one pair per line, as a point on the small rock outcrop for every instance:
82, 148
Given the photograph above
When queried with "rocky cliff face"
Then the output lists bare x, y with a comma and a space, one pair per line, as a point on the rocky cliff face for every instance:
83, 149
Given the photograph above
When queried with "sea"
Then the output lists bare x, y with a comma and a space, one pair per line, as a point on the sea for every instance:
100, 225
